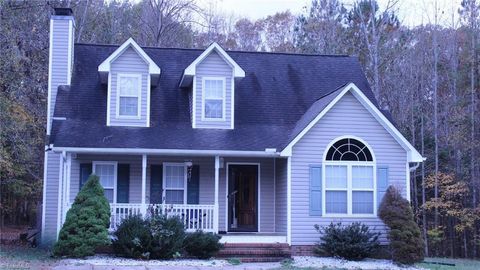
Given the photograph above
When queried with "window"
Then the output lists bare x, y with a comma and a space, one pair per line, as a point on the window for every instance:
213, 98
107, 172
349, 185
128, 102
175, 183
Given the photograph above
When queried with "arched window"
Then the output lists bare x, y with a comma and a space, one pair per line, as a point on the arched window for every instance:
350, 150
349, 183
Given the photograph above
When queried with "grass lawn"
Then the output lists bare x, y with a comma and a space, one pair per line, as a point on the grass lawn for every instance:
460, 264
17, 257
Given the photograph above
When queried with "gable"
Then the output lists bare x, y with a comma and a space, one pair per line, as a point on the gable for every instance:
213, 67
351, 88
348, 117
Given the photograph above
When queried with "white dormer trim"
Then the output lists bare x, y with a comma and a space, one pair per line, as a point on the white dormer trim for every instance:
237, 70
152, 67
412, 154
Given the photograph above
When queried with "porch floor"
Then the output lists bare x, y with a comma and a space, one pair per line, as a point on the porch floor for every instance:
253, 238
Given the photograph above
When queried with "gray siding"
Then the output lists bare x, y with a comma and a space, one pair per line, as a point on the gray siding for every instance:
51, 198
281, 195
347, 117
207, 182
129, 62
213, 66
207, 179
60, 52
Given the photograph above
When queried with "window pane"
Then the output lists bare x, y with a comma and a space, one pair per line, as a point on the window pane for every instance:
362, 202
174, 196
336, 202
128, 106
128, 86
336, 177
213, 89
109, 194
213, 108
362, 177
106, 173
175, 176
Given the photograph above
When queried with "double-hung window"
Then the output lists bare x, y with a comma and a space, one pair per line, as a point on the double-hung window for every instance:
107, 172
349, 179
213, 98
175, 183
129, 89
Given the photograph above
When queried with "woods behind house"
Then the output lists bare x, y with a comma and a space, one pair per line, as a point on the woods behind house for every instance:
427, 76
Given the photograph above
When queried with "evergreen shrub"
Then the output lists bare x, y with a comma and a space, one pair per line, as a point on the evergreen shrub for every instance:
202, 245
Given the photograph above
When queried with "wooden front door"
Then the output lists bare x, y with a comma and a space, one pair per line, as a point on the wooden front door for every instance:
242, 198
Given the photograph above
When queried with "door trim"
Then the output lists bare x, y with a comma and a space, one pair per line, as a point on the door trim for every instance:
258, 191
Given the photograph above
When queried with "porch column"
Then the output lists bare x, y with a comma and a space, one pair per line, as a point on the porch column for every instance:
216, 209
144, 184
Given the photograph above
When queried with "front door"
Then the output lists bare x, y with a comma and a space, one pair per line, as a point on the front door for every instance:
242, 198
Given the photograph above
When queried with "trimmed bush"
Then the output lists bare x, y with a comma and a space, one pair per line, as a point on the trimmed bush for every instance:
168, 234
406, 244
133, 238
351, 242
202, 245
86, 224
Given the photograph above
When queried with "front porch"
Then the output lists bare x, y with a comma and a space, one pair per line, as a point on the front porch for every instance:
243, 198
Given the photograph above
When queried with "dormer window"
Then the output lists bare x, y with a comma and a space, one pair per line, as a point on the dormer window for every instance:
129, 90
130, 75
214, 98
212, 77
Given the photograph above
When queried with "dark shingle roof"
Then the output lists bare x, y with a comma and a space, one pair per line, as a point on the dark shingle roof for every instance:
271, 102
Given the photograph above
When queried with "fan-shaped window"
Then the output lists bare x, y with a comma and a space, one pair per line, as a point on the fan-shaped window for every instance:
349, 179
349, 150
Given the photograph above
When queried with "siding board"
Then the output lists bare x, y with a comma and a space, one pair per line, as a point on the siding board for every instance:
347, 117
51, 201
213, 66
129, 62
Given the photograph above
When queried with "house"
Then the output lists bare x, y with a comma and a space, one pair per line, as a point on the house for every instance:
256, 146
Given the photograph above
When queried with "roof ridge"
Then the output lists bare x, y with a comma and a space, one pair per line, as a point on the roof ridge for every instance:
333, 91
234, 51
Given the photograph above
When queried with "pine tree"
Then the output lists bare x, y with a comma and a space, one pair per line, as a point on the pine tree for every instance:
86, 225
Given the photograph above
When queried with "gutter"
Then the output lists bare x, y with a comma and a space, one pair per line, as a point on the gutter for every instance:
172, 152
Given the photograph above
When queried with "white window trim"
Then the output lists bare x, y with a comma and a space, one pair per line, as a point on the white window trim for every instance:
139, 96
164, 182
115, 164
349, 189
224, 110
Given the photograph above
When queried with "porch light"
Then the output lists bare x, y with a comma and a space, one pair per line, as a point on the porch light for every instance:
189, 166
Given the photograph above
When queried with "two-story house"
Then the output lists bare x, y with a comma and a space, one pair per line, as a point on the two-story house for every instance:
262, 144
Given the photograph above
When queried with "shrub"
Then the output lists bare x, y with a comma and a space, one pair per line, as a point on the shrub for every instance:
133, 238
202, 245
351, 242
406, 244
168, 234
86, 224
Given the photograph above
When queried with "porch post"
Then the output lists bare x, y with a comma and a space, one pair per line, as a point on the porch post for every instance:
216, 209
144, 184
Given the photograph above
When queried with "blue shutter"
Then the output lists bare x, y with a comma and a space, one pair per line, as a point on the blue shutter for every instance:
193, 186
382, 182
85, 172
315, 190
123, 182
156, 183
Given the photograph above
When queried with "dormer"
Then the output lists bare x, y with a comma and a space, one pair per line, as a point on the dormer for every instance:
129, 74
212, 78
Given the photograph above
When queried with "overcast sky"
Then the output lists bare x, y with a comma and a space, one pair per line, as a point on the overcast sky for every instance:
410, 12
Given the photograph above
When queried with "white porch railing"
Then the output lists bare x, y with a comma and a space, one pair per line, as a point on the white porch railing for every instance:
194, 216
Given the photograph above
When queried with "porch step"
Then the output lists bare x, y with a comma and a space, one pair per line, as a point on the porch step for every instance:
256, 252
